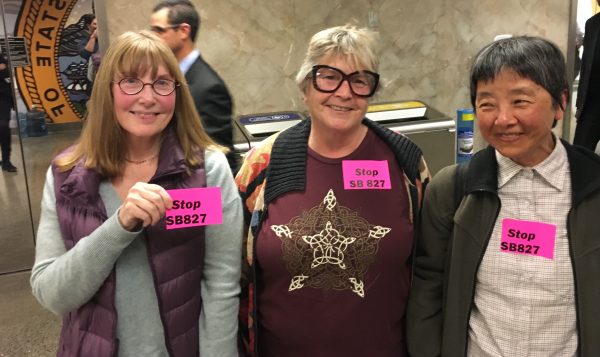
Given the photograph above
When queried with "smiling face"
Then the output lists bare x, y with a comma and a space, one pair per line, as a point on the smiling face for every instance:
340, 111
515, 115
144, 115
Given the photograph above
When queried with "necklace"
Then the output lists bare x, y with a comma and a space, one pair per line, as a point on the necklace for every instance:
139, 162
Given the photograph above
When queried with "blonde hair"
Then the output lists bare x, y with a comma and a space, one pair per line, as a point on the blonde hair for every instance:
102, 143
358, 45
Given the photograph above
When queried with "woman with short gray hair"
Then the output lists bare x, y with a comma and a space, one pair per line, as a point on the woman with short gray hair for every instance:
328, 268
507, 260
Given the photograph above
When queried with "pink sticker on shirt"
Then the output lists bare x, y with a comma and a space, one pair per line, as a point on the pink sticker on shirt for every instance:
194, 207
528, 238
366, 175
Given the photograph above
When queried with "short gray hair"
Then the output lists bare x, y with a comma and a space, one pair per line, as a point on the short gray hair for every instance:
358, 45
534, 58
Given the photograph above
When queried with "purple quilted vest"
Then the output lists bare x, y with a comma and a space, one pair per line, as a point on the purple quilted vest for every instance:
178, 254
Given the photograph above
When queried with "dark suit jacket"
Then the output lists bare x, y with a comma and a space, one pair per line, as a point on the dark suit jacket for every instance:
213, 103
5, 86
590, 44
6, 95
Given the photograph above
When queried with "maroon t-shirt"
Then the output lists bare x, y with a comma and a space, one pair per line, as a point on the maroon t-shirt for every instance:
333, 274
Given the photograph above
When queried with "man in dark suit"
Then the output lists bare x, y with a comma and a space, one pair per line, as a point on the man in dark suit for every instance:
587, 133
177, 23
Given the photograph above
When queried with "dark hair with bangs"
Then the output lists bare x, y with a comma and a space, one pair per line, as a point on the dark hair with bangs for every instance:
534, 58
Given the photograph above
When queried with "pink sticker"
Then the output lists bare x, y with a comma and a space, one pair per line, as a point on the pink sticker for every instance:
194, 207
366, 175
528, 238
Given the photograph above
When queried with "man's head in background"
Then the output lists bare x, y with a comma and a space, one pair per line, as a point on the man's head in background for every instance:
177, 23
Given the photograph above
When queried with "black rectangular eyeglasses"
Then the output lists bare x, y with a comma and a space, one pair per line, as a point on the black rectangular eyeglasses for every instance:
328, 79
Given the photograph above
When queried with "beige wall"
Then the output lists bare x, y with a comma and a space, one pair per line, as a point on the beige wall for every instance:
427, 45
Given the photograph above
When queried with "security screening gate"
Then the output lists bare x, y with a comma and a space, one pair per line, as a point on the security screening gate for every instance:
432, 131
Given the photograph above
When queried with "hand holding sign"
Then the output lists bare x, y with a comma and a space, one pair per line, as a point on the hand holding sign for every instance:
146, 203
194, 207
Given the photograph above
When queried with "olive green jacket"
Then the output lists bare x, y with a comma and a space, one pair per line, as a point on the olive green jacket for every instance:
450, 248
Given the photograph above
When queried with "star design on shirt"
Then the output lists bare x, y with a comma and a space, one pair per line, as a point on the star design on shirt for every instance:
329, 247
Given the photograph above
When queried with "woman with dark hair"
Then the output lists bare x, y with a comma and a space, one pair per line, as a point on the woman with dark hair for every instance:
507, 259
89, 44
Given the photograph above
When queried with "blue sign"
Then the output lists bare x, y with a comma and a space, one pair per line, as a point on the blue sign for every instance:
464, 135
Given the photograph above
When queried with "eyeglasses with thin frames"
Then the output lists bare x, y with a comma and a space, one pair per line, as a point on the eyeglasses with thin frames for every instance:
161, 86
160, 29
328, 79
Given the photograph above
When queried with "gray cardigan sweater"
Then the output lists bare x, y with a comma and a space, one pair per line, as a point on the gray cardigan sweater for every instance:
64, 280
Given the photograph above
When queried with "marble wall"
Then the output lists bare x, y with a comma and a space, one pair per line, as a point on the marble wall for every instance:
426, 45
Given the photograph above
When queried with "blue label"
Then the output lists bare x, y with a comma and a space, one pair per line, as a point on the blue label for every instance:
464, 134
464, 145
464, 119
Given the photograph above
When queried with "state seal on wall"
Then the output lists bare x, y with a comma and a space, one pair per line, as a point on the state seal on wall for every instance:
57, 78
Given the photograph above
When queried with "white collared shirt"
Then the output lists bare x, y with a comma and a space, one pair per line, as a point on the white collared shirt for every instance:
188, 60
525, 305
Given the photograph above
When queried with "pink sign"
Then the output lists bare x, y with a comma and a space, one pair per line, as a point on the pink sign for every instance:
528, 238
194, 207
366, 175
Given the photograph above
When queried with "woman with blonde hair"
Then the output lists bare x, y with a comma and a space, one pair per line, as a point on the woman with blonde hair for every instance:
330, 204
106, 259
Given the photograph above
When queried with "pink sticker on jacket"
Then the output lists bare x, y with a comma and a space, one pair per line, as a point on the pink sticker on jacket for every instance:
194, 207
366, 175
528, 238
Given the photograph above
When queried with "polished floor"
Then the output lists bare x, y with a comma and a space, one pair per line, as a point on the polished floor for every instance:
26, 329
